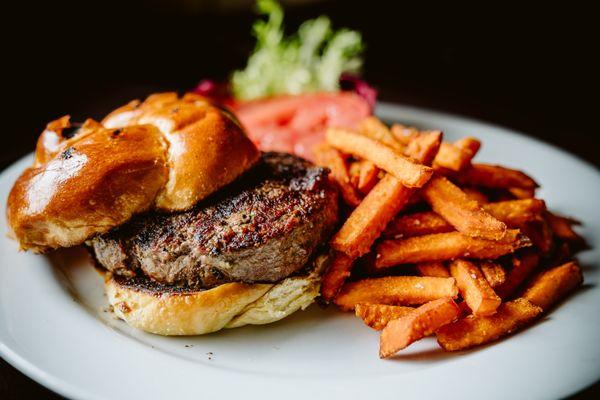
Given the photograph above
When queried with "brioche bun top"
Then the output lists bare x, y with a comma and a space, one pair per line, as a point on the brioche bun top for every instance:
207, 147
165, 153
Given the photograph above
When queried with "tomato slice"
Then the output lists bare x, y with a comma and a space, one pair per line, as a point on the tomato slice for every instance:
294, 124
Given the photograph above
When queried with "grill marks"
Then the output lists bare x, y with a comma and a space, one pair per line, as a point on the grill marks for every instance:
263, 227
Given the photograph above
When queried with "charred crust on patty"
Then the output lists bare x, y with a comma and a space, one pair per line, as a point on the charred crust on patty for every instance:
141, 283
260, 229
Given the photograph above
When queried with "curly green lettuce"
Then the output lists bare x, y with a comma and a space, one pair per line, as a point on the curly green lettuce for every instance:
313, 59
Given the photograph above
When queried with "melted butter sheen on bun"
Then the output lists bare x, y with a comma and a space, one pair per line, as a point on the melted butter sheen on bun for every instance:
207, 147
86, 185
166, 153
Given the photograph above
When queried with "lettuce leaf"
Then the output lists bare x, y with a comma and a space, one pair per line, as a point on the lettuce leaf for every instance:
313, 59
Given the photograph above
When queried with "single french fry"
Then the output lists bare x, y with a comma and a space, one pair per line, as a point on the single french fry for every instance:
423, 147
477, 330
327, 156
410, 173
521, 193
493, 272
454, 157
495, 176
417, 224
563, 227
395, 290
375, 129
474, 288
433, 269
377, 316
367, 221
466, 215
554, 284
422, 322
370, 218
524, 264
450, 157
368, 176
475, 194
445, 246
404, 134
514, 213
335, 276
381, 204
469, 144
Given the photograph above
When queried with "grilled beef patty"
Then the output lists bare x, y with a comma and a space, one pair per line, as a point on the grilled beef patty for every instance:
262, 228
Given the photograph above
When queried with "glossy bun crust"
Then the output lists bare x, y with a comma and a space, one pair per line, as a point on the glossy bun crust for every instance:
88, 184
207, 147
166, 153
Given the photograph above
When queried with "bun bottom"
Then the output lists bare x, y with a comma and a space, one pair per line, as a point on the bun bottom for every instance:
170, 311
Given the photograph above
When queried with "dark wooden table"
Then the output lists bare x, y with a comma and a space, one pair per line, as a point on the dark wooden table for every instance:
520, 67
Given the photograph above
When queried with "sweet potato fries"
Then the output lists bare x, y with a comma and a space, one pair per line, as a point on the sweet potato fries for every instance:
433, 243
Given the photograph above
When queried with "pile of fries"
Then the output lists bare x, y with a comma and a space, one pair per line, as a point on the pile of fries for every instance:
434, 243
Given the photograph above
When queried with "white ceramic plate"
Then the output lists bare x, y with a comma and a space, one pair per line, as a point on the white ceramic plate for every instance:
54, 326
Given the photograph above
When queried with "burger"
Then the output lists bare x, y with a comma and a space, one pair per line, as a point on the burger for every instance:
193, 228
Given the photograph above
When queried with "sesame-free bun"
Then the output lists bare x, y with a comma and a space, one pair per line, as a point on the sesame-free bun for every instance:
169, 311
166, 153
207, 147
92, 183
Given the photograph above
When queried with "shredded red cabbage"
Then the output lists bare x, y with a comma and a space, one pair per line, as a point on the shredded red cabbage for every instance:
355, 84
221, 91
217, 91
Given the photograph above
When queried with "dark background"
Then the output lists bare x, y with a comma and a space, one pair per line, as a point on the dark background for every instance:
522, 66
